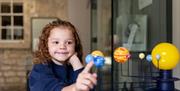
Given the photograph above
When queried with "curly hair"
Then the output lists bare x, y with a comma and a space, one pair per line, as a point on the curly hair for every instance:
42, 54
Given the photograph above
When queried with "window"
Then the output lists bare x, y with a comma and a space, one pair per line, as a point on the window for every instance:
11, 21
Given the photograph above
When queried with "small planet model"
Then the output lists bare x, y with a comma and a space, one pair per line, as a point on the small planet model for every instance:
141, 55
97, 53
97, 57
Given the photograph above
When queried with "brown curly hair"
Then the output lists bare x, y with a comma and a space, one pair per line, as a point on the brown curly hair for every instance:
42, 54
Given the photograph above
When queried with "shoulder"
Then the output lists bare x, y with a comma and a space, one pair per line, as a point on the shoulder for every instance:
40, 69
42, 78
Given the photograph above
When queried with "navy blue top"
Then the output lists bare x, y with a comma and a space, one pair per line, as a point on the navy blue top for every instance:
51, 77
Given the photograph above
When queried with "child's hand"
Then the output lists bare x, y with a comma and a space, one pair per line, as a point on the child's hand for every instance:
75, 62
86, 80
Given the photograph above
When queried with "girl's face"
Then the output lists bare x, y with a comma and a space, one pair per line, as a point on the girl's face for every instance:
61, 45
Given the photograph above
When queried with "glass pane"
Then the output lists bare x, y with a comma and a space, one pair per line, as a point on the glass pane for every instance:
6, 20
18, 21
138, 25
5, 8
18, 34
6, 34
17, 8
101, 39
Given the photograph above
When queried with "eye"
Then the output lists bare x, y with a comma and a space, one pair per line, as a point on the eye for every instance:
55, 42
69, 42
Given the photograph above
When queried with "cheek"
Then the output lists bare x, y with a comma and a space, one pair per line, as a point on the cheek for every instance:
51, 49
72, 49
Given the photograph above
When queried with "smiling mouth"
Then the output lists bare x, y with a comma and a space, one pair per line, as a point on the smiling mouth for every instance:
61, 52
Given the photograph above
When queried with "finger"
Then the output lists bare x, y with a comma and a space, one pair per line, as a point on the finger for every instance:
88, 83
95, 75
91, 78
88, 67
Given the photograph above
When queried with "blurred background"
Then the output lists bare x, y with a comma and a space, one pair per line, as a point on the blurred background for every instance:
103, 25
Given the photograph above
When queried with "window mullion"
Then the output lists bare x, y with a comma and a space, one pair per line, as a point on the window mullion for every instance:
12, 28
12, 19
0, 24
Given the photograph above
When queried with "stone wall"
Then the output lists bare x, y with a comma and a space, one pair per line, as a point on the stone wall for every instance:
13, 68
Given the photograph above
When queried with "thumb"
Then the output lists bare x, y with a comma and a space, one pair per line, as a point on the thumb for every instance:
88, 67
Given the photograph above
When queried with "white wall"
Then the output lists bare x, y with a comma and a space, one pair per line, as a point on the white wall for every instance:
176, 36
79, 15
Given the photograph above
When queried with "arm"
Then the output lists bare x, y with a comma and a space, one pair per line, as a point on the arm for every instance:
77, 68
75, 62
42, 79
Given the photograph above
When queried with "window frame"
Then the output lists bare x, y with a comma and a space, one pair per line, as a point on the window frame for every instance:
15, 43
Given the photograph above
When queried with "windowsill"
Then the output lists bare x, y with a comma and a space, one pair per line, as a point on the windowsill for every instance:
11, 41
17, 44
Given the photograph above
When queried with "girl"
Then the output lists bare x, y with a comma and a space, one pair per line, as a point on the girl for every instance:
58, 61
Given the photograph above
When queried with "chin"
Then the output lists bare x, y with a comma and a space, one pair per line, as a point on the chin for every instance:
60, 59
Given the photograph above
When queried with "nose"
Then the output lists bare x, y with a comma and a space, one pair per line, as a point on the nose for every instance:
62, 46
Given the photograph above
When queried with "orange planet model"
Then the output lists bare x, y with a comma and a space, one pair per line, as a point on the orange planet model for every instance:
121, 55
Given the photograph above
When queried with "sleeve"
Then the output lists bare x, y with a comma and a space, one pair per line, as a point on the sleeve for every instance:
74, 75
42, 79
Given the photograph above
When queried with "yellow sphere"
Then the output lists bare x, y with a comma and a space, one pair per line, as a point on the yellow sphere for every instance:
97, 53
141, 55
121, 54
169, 56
